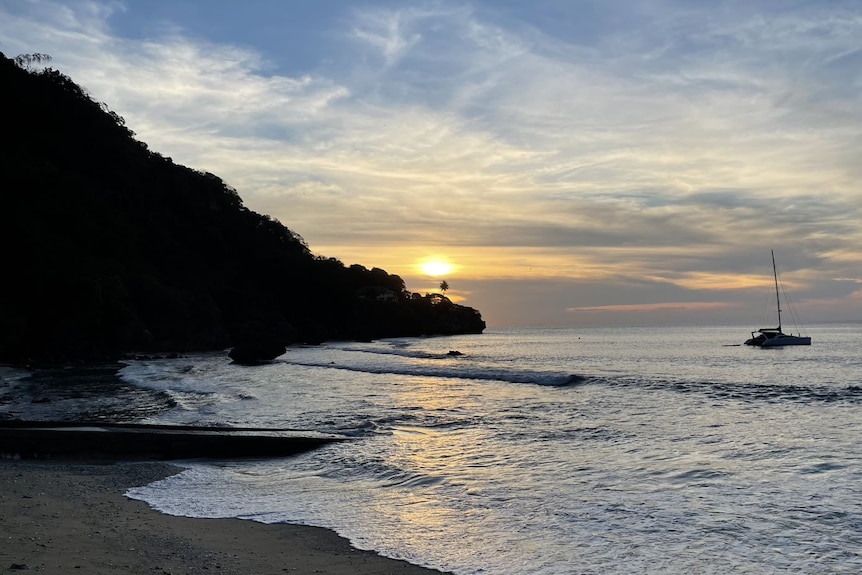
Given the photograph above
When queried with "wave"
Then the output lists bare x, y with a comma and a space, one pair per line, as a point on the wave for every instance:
552, 379
201, 381
797, 393
189, 385
402, 350
776, 393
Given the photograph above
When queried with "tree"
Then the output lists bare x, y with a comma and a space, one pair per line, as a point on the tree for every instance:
30, 61
444, 286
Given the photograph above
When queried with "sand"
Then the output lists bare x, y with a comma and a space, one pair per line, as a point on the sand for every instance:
61, 518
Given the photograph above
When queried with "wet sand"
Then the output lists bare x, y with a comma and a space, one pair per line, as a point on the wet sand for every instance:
61, 518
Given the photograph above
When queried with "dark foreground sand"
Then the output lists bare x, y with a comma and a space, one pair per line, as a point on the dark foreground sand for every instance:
62, 518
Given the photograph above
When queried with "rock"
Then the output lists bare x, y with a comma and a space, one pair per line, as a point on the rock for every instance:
255, 352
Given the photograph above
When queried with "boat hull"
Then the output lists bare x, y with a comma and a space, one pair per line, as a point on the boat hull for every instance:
774, 338
786, 340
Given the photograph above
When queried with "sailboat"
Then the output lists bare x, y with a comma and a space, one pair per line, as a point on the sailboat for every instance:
774, 337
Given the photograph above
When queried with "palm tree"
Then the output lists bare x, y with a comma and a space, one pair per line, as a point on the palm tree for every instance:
444, 286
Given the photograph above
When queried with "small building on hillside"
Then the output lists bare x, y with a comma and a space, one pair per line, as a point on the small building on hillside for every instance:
378, 293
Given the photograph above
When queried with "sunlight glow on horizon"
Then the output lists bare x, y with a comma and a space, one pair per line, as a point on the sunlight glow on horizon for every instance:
436, 267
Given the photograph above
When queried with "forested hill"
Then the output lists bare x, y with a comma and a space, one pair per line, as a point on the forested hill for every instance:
110, 247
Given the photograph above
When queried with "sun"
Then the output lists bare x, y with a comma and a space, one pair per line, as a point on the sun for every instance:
436, 267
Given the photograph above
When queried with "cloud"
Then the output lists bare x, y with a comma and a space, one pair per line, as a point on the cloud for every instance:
387, 31
655, 307
672, 140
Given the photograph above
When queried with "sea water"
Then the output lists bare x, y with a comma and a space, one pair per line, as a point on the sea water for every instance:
545, 451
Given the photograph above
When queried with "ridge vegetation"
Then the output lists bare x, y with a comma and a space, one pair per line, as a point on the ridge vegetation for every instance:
112, 248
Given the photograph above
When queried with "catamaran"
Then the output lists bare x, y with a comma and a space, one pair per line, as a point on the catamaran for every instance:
773, 336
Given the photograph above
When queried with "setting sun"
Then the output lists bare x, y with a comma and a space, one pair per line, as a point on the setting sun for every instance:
436, 268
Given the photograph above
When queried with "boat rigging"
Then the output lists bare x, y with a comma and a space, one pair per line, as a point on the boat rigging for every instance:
774, 337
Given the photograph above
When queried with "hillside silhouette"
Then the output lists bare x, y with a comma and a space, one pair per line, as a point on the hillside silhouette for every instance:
111, 248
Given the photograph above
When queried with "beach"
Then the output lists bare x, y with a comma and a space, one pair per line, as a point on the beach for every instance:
59, 517
537, 451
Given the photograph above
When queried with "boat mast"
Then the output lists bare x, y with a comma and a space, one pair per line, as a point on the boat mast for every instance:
777, 300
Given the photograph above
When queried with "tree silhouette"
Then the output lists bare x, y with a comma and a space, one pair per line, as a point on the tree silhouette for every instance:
30, 61
444, 286
117, 249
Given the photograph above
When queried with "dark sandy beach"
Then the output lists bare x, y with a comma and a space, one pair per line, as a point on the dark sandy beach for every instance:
71, 517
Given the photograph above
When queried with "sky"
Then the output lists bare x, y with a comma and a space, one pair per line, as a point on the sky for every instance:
561, 162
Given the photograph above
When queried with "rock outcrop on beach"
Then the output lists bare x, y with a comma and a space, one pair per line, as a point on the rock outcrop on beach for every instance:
110, 247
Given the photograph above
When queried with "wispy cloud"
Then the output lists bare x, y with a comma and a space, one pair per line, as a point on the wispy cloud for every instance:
391, 33
669, 141
656, 307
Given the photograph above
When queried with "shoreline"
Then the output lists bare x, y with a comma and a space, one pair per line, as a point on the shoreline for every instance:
56, 517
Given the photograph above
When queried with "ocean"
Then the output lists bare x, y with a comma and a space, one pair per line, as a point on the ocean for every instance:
536, 451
